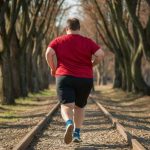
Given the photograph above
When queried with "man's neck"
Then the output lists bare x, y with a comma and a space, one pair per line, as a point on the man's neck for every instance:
73, 32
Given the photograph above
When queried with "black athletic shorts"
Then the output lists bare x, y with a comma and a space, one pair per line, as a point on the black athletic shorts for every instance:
73, 89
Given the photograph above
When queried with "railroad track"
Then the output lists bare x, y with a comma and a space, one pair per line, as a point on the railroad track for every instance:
99, 132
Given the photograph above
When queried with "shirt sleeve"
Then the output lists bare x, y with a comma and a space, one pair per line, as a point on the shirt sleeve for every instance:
93, 46
53, 44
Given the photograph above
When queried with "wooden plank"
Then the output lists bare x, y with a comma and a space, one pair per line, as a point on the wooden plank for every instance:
113, 120
127, 136
136, 145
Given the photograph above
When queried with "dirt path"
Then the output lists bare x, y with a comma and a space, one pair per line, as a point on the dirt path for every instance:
98, 133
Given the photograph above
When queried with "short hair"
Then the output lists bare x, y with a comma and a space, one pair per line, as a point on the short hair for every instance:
73, 24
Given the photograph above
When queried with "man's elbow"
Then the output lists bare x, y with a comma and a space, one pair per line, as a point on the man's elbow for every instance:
49, 53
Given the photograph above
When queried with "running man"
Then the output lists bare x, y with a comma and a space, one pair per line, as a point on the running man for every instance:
74, 74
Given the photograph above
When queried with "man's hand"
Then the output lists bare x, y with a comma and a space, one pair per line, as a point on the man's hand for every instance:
53, 72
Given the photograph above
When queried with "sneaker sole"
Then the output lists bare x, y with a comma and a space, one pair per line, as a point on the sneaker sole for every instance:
77, 140
68, 134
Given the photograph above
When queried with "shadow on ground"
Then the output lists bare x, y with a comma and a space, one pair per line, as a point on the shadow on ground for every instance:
132, 111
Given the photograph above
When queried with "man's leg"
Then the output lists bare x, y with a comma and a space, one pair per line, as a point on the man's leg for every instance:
67, 115
82, 92
66, 95
67, 111
78, 121
78, 116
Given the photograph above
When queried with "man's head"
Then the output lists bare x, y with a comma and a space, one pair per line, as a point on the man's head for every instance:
73, 24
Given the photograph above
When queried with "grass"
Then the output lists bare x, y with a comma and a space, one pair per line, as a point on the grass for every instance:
8, 116
10, 113
45, 93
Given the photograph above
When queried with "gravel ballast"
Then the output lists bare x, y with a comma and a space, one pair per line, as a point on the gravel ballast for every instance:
132, 111
97, 133
12, 132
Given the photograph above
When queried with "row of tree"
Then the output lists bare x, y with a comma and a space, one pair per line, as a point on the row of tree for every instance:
124, 27
27, 26
25, 30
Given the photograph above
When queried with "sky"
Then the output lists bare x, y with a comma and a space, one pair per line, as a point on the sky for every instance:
72, 12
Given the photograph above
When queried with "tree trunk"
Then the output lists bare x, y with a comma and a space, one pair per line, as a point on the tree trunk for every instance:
124, 80
46, 72
41, 71
35, 84
128, 77
118, 76
126, 74
6, 79
139, 82
1, 85
23, 75
14, 53
29, 65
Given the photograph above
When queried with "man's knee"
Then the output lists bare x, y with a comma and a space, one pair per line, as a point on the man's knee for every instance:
77, 107
68, 105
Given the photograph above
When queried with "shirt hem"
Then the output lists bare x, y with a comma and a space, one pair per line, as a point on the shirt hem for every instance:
58, 75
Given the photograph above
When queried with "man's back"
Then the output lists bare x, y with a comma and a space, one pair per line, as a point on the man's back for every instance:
74, 54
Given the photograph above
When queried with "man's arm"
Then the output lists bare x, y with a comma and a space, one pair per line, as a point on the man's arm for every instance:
50, 58
99, 55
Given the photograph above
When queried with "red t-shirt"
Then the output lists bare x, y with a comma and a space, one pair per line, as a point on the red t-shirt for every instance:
74, 54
